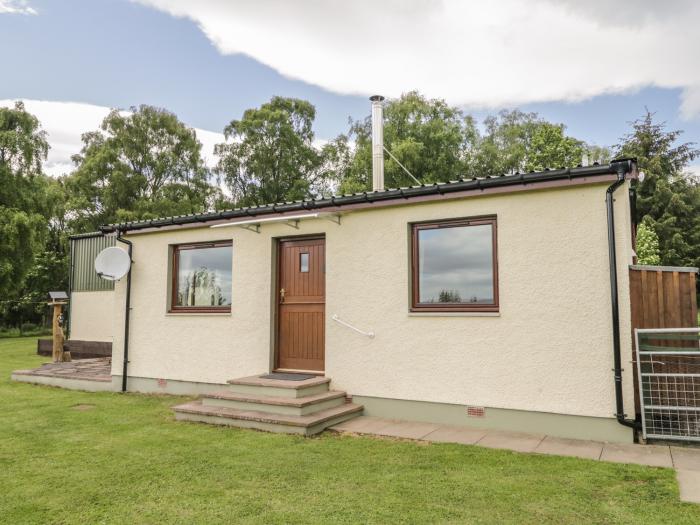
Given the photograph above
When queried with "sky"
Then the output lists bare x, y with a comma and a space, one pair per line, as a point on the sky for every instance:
593, 66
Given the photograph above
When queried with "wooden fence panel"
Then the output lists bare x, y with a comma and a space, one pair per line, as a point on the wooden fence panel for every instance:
662, 297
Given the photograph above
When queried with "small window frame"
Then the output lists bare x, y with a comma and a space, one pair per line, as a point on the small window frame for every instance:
416, 227
174, 260
304, 262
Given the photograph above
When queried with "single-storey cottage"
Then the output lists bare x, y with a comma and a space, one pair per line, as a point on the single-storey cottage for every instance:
500, 302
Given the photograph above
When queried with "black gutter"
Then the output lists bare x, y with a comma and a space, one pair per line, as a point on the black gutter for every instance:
622, 168
520, 179
90, 235
127, 310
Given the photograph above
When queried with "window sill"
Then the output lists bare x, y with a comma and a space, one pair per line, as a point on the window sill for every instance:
454, 314
198, 314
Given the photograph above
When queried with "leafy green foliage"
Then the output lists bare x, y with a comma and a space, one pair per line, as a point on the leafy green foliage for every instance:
146, 164
17, 243
337, 169
647, 244
520, 142
269, 155
449, 296
437, 142
668, 199
23, 146
429, 137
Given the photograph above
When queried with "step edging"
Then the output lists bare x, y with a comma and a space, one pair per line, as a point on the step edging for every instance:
297, 402
306, 421
279, 383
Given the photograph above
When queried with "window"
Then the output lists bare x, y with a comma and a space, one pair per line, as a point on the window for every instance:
304, 262
202, 277
455, 266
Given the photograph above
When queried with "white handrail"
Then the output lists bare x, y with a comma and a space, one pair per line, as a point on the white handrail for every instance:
340, 321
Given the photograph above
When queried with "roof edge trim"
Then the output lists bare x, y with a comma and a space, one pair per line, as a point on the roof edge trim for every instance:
381, 196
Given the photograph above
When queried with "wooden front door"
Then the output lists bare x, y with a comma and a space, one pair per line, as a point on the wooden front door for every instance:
301, 295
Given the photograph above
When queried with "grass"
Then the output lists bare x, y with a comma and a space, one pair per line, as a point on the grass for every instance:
15, 332
73, 457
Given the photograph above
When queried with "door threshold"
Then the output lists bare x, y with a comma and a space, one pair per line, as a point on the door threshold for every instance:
299, 371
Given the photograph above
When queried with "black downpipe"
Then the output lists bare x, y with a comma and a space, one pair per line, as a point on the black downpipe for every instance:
71, 282
127, 310
622, 169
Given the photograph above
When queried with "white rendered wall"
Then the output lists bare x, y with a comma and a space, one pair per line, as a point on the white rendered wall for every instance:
549, 349
92, 316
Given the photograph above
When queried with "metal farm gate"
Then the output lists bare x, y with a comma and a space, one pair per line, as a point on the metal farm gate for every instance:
666, 351
668, 374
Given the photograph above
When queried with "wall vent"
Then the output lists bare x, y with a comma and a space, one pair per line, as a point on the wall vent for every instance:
476, 412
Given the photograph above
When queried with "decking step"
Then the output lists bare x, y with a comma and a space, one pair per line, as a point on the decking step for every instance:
257, 385
299, 406
306, 425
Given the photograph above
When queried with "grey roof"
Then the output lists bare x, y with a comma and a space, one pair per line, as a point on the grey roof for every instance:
337, 202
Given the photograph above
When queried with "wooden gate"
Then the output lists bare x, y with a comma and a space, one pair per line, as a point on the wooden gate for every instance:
661, 297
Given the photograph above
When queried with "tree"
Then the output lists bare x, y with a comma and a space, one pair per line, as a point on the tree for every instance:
647, 244
668, 198
551, 148
337, 165
23, 147
520, 142
437, 143
430, 138
50, 262
269, 155
141, 165
449, 296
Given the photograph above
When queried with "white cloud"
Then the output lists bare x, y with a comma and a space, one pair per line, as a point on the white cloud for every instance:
694, 171
481, 54
690, 102
65, 122
16, 7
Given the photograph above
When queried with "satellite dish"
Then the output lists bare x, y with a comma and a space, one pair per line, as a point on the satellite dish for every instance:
112, 263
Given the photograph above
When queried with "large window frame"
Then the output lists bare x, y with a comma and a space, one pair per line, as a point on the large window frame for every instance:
174, 263
417, 306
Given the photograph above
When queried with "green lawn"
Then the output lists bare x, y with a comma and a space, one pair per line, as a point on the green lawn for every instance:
125, 460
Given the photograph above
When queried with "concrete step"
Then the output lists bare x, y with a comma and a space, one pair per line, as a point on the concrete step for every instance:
305, 425
290, 406
259, 386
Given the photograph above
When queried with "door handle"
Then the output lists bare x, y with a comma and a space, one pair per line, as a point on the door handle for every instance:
282, 292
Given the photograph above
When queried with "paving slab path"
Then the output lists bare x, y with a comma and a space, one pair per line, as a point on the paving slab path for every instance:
686, 460
94, 369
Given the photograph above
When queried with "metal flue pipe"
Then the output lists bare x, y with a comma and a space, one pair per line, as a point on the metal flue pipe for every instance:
377, 142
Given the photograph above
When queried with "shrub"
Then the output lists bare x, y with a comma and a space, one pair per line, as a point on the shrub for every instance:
28, 327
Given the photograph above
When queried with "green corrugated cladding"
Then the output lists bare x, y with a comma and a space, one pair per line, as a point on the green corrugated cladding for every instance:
83, 252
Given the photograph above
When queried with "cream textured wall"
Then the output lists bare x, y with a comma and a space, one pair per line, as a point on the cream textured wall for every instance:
92, 316
549, 349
